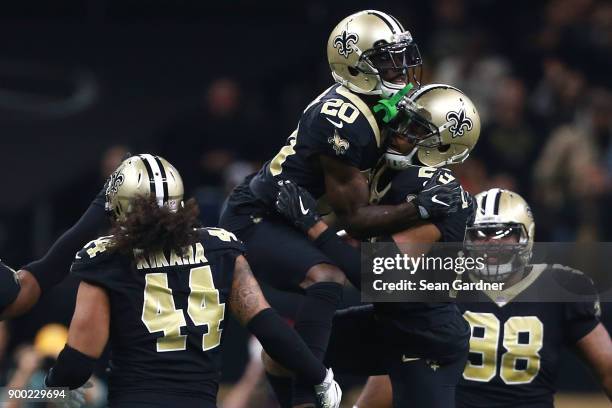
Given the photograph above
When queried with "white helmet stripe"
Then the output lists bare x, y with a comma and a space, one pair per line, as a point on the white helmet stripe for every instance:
397, 27
157, 178
492, 198
393, 26
402, 29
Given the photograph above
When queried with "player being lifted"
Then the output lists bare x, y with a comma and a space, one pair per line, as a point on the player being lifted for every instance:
337, 142
422, 346
157, 289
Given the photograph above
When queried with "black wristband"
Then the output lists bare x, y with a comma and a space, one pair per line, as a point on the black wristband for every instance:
72, 369
9, 286
284, 345
325, 236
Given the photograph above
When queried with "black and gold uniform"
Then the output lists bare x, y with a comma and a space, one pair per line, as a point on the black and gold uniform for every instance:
167, 318
338, 123
421, 346
516, 346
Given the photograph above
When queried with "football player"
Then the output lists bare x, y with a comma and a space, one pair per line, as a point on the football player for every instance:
422, 346
157, 289
516, 346
337, 142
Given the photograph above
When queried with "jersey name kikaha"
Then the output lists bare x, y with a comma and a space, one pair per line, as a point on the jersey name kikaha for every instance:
168, 311
515, 346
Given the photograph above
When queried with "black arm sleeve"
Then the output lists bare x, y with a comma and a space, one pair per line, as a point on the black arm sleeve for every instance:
285, 346
55, 265
9, 286
345, 256
72, 369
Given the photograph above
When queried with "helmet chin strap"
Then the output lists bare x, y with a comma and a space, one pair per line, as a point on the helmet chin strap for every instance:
398, 161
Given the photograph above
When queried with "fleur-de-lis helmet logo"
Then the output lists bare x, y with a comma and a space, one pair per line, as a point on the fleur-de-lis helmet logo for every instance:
461, 123
345, 42
112, 186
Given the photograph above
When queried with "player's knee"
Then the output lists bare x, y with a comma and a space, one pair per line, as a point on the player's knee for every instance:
324, 273
272, 367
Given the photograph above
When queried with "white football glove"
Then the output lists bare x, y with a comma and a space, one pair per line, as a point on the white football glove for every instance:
328, 392
75, 398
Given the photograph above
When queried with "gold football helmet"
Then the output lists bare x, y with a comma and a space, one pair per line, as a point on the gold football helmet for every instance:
503, 228
370, 53
143, 175
441, 121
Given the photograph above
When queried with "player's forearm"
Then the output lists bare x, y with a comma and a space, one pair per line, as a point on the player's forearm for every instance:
55, 265
28, 295
286, 347
72, 369
606, 382
345, 256
376, 220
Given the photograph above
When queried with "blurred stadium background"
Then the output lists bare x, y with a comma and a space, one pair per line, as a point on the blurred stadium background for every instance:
216, 89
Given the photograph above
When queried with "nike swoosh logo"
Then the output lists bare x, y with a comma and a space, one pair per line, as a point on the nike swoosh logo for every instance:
409, 359
304, 211
435, 200
336, 124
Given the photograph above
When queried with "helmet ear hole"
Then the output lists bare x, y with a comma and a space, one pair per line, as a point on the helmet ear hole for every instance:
443, 148
353, 71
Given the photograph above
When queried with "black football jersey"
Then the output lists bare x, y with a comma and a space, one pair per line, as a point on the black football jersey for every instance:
338, 124
515, 346
389, 187
168, 311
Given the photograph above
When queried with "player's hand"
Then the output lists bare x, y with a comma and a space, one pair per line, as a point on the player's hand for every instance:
328, 392
438, 200
297, 205
76, 398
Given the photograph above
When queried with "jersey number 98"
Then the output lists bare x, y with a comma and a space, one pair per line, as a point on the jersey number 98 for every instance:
522, 338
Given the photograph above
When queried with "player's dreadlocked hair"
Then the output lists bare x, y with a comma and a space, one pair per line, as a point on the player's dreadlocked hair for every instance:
150, 227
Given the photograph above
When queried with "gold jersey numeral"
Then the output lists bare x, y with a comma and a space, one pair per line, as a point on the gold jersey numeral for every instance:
99, 245
204, 307
529, 352
486, 346
345, 111
222, 234
276, 165
427, 172
159, 311
526, 350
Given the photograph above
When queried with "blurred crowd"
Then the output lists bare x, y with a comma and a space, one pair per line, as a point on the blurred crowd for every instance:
537, 71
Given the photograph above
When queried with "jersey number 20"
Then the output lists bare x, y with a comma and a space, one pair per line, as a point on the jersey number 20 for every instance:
522, 338
159, 312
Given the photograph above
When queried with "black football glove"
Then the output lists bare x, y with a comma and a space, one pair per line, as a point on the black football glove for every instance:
297, 205
438, 200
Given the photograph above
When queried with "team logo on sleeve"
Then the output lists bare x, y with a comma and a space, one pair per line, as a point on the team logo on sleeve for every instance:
345, 42
339, 144
461, 123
